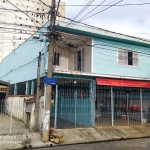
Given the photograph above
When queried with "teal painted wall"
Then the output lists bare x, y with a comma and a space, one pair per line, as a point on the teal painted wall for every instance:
105, 59
21, 64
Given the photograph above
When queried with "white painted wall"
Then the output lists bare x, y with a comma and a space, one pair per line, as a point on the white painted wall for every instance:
17, 106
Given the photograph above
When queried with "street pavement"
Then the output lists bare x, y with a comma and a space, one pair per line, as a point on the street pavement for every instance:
132, 144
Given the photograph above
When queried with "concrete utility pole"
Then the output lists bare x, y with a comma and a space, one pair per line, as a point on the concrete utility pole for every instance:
46, 123
36, 126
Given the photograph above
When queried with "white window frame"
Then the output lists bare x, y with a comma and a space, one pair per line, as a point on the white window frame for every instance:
133, 60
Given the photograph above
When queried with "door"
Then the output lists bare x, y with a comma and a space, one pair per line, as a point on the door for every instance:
103, 106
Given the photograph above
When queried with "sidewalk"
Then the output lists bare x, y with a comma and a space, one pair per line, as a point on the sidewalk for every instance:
17, 126
87, 135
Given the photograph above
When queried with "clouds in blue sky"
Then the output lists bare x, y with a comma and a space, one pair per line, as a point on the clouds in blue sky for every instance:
132, 20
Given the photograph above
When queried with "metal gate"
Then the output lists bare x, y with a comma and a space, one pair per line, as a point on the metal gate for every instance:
2, 106
117, 106
72, 107
103, 106
126, 106
2, 103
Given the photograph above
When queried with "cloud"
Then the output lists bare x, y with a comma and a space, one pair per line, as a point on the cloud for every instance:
125, 19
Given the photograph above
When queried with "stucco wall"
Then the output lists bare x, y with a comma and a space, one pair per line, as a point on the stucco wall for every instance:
105, 59
21, 64
68, 58
17, 106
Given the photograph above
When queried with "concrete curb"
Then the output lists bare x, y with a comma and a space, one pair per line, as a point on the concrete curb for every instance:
85, 135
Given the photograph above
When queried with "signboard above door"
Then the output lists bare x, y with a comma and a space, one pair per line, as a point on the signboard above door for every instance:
123, 83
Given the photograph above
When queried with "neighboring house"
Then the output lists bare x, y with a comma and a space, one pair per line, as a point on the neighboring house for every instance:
103, 77
4, 89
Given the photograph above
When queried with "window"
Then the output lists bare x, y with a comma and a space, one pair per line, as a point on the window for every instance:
21, 88
11, 89
56, 59
130, 58
126, 57
79, 60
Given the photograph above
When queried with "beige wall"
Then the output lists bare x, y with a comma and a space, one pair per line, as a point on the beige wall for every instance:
68, 58
88, 57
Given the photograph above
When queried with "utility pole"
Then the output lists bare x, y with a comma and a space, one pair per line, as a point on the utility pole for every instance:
46, 123
36, 124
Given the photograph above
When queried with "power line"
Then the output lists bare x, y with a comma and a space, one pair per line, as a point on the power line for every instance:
12, 17
84, 5
22, 25
81, 11
97, 28
20, 11
102, 10
28, 15
93, 9
23, 12
99, 52
17, 29
95, 45
110, 5
57, 10
44, 4
35, 59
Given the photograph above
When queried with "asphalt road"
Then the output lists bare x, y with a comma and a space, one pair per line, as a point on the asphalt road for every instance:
133, 144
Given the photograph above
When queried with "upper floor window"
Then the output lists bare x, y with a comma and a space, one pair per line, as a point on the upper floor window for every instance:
127, 57
56, 59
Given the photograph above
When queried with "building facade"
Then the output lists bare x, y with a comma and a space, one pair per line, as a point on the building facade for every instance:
17, 27
102, 77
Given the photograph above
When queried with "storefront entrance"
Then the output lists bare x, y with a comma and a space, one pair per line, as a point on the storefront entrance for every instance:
126, 106
120, 104
125, 103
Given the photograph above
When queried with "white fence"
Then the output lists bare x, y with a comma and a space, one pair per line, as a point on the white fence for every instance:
18, 108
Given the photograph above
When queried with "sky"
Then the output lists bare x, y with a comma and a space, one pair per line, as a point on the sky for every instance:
131, 20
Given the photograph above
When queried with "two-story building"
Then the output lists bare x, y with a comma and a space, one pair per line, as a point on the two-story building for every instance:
103, 77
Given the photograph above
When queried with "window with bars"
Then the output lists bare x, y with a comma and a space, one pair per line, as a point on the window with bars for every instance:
127, 57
